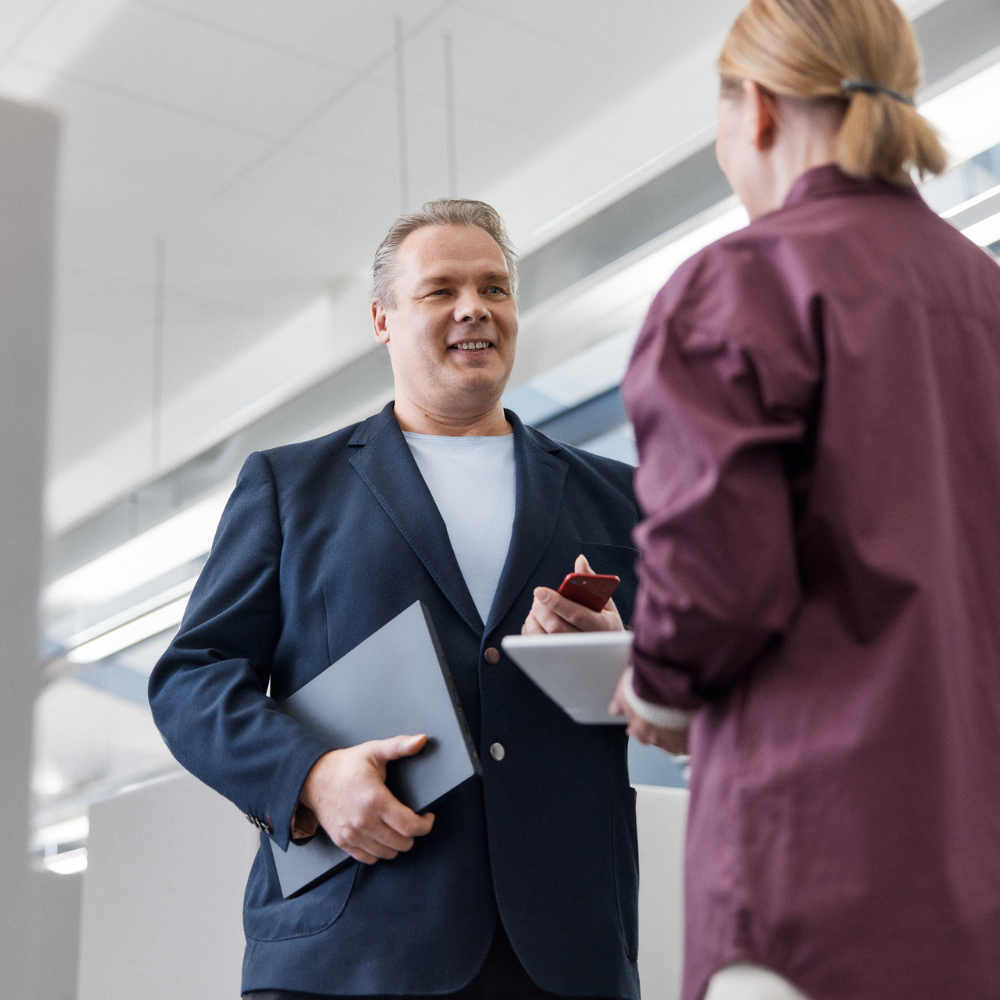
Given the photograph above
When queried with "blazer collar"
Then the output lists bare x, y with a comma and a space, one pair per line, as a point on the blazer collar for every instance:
385, 463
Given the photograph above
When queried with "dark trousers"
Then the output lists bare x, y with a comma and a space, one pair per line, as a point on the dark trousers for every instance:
502, 977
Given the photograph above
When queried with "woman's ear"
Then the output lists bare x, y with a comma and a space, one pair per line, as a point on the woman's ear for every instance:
763, 114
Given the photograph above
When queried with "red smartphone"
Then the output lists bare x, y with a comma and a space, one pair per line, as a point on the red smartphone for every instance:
592, 590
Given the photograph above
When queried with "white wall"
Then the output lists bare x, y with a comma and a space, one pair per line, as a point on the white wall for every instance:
28, 152
163, 895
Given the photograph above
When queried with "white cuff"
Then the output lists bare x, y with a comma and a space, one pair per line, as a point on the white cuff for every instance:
656, 715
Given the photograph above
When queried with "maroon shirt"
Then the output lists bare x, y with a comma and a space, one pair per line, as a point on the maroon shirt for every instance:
817, 408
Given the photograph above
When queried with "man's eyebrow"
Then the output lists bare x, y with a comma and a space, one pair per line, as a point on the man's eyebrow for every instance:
445, 279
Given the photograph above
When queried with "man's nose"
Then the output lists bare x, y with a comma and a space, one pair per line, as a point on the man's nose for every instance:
470, 308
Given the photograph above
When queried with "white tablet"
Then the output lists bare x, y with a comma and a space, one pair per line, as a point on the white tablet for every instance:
579, 671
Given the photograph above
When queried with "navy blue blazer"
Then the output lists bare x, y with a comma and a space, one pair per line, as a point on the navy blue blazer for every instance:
321, 544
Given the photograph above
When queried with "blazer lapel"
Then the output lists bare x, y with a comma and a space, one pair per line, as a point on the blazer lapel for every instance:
385, 463
540, 480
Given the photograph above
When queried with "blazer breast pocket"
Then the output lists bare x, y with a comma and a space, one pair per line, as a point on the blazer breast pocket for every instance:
606, 558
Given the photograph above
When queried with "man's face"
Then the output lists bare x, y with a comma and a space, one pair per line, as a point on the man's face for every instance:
453, 330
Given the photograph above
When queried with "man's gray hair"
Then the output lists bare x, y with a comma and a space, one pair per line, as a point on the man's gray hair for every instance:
443, 212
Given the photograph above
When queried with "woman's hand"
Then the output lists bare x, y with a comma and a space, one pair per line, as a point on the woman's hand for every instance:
674, 741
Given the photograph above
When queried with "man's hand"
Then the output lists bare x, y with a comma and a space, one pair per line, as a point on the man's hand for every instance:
674, 741
345, 790
551, 612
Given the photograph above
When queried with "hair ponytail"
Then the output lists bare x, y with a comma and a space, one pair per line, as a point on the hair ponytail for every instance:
859, 52
883, 137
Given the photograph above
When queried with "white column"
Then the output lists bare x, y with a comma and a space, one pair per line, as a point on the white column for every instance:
661, 814
162, 915
28, 151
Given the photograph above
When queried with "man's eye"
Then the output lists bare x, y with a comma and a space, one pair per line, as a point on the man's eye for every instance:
497, 290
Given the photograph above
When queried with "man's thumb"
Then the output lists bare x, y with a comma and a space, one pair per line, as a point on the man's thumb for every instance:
401, 746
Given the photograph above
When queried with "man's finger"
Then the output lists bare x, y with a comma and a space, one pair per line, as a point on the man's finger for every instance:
378, 831
366, 845
373, 836
359, 854
397, 746
531, 625
576, 614
549, 620
402, 819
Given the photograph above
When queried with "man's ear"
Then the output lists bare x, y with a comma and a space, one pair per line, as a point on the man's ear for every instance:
763, 114
380, 322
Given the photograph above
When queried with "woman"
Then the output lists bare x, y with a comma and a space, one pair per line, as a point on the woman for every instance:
817, 409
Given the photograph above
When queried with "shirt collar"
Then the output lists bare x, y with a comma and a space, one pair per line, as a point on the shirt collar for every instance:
830, 181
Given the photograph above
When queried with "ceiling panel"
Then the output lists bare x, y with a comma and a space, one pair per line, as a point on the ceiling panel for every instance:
119, 135
17, 20
209, 74
346, 33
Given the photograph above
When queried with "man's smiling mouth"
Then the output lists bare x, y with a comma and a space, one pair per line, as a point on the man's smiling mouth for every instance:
470, 345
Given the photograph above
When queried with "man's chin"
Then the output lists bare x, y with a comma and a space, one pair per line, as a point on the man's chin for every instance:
473, 391
482, 358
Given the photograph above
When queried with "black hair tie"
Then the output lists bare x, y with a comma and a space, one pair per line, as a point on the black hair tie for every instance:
870, 87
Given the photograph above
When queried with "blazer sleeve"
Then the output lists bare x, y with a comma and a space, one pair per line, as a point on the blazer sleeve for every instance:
208, 691
717, 402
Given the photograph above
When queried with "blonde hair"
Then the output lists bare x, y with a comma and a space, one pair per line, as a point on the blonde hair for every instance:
443, 212
861, 53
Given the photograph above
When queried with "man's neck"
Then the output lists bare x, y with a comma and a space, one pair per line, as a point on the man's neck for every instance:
419, 420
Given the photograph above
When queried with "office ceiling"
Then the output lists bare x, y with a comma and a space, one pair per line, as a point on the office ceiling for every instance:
258, 141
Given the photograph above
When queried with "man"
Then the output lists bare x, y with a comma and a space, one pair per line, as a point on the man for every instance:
524, 882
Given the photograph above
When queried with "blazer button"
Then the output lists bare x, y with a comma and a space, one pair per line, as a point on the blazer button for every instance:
491, 655
497, 751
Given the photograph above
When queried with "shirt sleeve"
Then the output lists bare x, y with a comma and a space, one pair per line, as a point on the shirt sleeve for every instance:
208, 693
718, 396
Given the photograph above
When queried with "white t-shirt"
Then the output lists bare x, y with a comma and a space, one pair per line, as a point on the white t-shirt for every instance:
472, 481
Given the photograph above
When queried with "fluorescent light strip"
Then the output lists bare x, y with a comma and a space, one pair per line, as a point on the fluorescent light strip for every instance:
171, 543
971, 203
115, 621
968, 115
67, 863
66, 832
130, 633
986, 232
